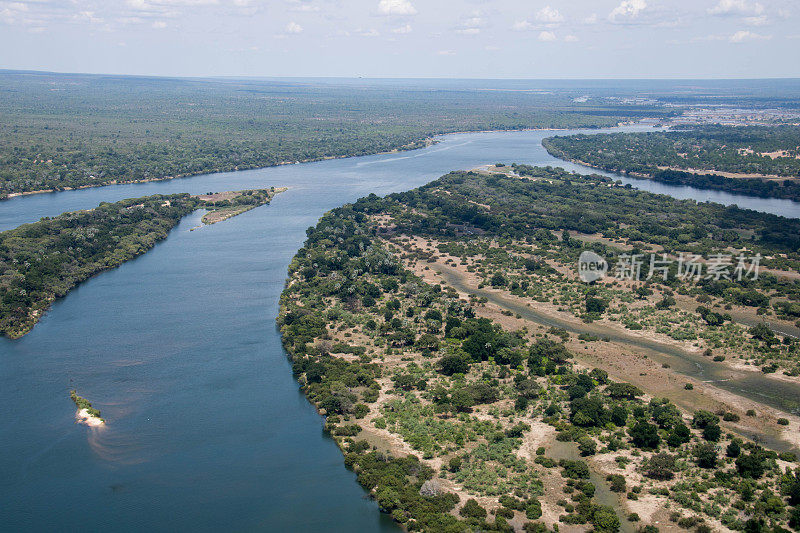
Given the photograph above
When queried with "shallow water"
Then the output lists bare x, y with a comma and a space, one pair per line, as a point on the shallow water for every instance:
179, 350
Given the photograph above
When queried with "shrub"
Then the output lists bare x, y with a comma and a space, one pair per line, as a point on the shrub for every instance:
453, 364
472, 509
661, 466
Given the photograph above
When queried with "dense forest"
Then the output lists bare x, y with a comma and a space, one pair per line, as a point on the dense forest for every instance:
686, 157
42, 261
397, 363
64, 131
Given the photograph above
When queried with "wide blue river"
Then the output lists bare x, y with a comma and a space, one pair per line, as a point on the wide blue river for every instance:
179, 350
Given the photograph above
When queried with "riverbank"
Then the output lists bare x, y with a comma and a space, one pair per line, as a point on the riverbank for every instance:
752, 185
421, 143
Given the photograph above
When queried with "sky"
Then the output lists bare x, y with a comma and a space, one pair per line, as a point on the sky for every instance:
405, 38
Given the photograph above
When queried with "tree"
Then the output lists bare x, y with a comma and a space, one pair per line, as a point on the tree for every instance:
453, 364
587, 446
661, 466
472, 509
623, 390
644, 435
704, 418
680, 434
586, 412
595, 305
497, 280
706, 455
751, 465
762, 332
733, 449
605, 519
712, 432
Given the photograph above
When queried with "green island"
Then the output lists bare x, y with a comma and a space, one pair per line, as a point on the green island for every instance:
66, 131
85, 409
42, 261
754, 160
410, 324
224, 205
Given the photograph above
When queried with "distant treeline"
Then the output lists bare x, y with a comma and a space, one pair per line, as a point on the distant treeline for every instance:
786, 189
63, 131
662, 156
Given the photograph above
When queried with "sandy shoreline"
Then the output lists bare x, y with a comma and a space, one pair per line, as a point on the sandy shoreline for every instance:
82, 416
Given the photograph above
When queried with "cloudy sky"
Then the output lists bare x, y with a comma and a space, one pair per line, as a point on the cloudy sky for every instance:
406, 38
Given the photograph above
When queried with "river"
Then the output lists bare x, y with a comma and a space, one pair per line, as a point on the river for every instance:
179, 350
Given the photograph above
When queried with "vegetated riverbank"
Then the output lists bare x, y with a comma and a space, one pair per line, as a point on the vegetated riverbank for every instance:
415, 145
444, 413
667, 158
44, 260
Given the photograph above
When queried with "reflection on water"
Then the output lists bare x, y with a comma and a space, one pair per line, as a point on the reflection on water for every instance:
179, 350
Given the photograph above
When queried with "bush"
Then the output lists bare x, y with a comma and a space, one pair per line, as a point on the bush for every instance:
706, 455
533, 509
453, 364
617, 482
712, 432
574, 469
587, 446
644, 435
661, 466
472, 509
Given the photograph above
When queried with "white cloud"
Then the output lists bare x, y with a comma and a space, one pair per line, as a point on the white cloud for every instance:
159, 24
547, 36
403, 30
396, 7
756, 21
294, 28
549, 15
87, 16
468, 31
591, 19
302, 7
736, 7
627, 10
446, 53
571, 39
372, 32
522, 25
745, 35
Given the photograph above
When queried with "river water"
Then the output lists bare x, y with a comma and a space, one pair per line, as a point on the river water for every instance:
179, 350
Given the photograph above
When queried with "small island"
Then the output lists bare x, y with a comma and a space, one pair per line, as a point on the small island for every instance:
86, 414
225, 205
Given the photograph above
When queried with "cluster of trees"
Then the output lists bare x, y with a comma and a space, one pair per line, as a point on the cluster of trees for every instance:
42, 261
79, 130
662, 156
